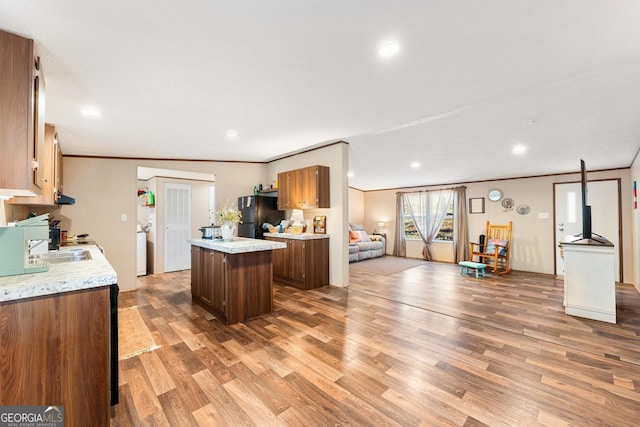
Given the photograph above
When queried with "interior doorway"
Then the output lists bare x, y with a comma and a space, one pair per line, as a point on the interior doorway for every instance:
154, 218
604, 198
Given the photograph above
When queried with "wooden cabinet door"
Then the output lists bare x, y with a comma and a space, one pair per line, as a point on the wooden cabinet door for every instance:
279, 258
55, 348
218, 296
296, 260
206, 289
284, 191
196, 271
46, 166
17, 107
303, 188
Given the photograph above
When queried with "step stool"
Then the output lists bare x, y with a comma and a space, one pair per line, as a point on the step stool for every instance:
478, 266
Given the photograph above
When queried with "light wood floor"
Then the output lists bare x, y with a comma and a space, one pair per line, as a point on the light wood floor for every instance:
422, 347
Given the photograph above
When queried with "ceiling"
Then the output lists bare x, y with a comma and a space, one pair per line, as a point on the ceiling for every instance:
472, 79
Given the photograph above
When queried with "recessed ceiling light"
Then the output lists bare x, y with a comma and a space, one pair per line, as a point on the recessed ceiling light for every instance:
389, 49
519, 149
350, 175
90, 112
415, 165
232, 134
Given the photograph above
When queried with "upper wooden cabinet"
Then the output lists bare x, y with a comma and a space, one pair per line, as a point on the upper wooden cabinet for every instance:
306, 188
51, 167
21, 117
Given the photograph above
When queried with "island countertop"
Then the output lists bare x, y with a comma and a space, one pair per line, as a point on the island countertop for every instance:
301, 236
238, 245
63, 277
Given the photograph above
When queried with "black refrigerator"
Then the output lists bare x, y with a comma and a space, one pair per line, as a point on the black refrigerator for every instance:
256, 210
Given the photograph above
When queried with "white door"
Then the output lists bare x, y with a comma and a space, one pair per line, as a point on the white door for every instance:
177, 252
602, 196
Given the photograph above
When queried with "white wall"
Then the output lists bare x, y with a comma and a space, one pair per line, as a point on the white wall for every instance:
104, 190
356, 206
533, 240
635, 227
336, 158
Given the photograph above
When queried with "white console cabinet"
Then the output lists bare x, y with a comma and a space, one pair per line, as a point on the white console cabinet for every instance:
589, 281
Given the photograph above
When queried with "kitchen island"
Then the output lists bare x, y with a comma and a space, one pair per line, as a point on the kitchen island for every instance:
233, 280
57, 338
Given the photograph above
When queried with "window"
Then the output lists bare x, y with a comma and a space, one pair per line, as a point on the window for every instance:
446, 229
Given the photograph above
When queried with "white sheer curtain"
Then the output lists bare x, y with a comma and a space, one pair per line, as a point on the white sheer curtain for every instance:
428, 210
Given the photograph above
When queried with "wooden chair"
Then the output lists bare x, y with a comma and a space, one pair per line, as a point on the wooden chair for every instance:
496, 250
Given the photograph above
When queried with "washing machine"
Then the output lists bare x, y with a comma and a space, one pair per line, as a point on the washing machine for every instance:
141, 254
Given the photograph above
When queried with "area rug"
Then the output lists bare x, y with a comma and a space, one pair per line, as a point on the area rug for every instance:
134, 337
386, 265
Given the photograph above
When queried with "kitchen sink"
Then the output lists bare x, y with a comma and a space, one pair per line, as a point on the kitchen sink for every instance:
57, 257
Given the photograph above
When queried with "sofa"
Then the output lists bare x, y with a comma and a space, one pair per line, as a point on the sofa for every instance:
364, 246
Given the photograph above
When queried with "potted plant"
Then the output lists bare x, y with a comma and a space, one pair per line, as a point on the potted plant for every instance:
229, 217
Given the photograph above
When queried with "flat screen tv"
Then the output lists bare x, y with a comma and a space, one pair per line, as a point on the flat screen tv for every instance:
586, 209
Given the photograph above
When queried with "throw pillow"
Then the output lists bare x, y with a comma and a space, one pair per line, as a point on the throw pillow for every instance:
357, 227
354, 237
501, 244
364, 236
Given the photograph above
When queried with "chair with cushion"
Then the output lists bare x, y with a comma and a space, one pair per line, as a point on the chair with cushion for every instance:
496, 250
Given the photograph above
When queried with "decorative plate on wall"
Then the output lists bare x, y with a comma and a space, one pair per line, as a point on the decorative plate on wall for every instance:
507, 203
523, 209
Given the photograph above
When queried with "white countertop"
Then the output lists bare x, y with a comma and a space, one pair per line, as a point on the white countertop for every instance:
63, 277
302, 236
238, 245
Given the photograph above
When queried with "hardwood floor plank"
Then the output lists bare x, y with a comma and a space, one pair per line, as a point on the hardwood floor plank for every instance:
144, 398
251, 404
370, 391
176, 409
158, 376
223, 408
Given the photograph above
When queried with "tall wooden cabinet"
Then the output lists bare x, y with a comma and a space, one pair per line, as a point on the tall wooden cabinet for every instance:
21, 116
304, 263
306, 188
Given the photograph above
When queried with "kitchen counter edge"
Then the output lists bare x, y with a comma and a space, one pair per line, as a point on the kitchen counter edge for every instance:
64, 277
238, 245
303, 236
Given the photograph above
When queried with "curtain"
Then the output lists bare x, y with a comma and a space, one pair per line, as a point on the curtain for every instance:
428, 211
460, 234
400, 243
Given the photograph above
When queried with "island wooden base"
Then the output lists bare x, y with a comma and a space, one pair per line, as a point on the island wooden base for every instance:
233, 287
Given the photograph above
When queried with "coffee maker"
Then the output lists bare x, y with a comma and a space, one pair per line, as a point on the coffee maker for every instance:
54, 238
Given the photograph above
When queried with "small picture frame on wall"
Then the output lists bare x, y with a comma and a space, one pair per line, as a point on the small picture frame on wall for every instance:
320, 224
476, 205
